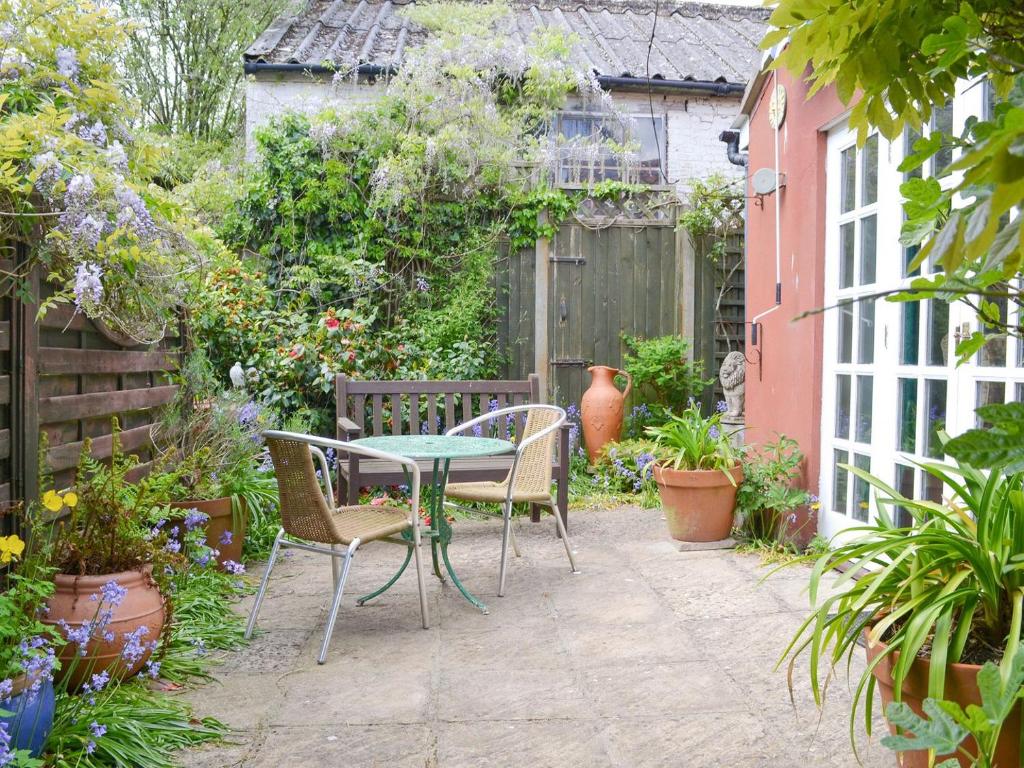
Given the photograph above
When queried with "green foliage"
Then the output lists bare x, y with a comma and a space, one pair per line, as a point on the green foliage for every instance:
949, 585
766, 494
895, 63
170, 42
998, 445
948, 725
626, 468
74, 179
714, 210
26, 584
691, 442
662, 370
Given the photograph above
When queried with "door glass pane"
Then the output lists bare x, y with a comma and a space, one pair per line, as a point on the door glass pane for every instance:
938, 332
843, 406
911, 332
868, 248
907, 438
865, 386
1020, 393
845, 352
861, 490
869, 171
846, 234
905, 485
994, 351
909, 254
942, 121
911, 135
932, 489
840, 481
848, 180
935, 397
866, 332
989, 392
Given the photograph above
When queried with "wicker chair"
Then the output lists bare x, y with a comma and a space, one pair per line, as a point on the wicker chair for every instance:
529, 479
310, 521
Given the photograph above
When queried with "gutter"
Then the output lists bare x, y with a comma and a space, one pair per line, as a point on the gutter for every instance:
606, 81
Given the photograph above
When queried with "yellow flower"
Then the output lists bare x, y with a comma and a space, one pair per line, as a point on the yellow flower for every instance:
10, 547
53, 501
71, 498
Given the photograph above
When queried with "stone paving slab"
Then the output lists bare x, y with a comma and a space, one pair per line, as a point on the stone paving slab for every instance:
650, 657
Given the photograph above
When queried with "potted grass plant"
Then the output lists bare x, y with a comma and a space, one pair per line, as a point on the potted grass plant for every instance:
697, 471
211, 446
934, 600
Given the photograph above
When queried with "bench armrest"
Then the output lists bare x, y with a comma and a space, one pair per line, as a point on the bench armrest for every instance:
347, 429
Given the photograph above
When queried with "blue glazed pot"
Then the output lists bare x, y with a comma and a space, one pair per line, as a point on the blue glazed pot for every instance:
32, 718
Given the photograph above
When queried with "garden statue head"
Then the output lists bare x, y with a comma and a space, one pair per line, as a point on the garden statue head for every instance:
732, 375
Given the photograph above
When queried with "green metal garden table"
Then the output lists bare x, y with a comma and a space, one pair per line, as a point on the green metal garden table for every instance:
441, 449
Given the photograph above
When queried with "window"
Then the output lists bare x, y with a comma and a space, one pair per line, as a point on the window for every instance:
583, 162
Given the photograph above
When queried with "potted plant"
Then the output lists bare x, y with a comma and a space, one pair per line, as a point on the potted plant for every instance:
697, 471
27, 656
210, 441
766, 499
934, 600
106, 602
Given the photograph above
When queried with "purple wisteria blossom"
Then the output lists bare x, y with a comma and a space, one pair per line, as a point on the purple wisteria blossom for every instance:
134, 214
88, 288
95, 133
79, 201
87, 233
7, 31
67, 62
118, 158
49, 169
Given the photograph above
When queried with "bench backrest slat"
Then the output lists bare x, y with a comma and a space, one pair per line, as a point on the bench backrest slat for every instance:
372, 404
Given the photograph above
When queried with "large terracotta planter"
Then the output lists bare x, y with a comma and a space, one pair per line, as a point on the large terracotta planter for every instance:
601, 409
700, 505
73, 602
961, 687
219, 512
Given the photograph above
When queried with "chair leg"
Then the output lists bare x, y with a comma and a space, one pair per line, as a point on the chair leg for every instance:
422, 584
336, 602
505, 534
263, 585
335, 567
564, 535
515, 541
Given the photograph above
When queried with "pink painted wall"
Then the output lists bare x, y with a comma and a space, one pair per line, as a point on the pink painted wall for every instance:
787, 399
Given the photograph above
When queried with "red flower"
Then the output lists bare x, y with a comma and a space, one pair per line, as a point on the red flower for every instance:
352, 357
295, 351
332, 323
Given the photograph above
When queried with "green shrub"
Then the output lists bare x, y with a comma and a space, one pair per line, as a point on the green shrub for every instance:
662, 370
766, 494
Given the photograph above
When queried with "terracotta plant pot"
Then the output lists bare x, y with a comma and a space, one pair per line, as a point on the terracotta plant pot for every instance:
601, 409
219, 511
961, 687
72, 602
700, 505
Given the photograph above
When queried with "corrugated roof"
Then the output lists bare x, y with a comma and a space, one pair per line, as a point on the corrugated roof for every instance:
693, 41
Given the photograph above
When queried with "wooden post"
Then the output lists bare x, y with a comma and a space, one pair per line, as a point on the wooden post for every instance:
24, 393
541, 316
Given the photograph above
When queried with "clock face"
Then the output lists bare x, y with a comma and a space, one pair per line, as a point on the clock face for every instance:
777, 107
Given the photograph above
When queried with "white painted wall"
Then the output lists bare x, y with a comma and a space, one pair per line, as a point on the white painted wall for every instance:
694, 121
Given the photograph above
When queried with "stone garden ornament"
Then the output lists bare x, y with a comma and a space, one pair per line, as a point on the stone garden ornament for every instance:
732, 374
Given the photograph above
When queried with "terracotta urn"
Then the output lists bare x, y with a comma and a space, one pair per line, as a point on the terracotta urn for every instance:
219, 512
141, 606
601, 409
699, 505
961, 687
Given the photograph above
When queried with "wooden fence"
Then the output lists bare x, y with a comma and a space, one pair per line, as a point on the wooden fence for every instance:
66, 377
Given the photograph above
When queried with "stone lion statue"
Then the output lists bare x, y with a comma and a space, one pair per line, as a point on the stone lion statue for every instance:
732, 374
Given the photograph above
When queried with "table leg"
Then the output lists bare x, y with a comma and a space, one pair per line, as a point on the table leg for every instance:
391, 581
444, 536
437, 484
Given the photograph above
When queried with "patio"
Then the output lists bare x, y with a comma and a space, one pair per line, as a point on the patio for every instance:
649, 657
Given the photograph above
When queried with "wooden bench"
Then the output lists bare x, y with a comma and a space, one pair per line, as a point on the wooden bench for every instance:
366, 408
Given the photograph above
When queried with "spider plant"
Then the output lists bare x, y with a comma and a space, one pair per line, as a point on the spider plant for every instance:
691, 442
949, 586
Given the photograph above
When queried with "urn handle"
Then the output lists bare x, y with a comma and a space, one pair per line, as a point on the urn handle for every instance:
629, 383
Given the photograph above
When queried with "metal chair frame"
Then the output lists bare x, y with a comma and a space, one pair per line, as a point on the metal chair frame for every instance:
284, 540
507, 534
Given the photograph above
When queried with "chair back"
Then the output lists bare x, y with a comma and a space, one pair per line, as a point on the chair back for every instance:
533, 466
305, 513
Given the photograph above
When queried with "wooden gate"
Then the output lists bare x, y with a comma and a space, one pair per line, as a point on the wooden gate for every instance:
67, 377
615, 268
